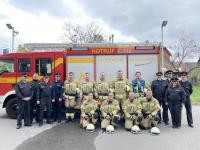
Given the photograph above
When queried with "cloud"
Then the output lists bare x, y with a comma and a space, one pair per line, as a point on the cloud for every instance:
142, 19
56, 8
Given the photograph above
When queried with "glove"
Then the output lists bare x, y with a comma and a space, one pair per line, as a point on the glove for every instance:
140, 117
166, 103
38, 102
95, 116
53, 100
60, 99
116, 119
157, 118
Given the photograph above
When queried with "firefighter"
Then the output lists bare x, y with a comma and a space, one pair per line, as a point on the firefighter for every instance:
169, 74
71, 92
139, 85
121, 88
150, 109
133, 111
24, 94
57, 87
187, 86
34, 105
89, 113
159, 87
174, 97
87, 86
44, 98
102, 89
109, 110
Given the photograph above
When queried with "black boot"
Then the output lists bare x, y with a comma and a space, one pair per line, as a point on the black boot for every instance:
18, 126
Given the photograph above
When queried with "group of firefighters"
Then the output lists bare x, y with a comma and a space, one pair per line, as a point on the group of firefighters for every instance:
112, 102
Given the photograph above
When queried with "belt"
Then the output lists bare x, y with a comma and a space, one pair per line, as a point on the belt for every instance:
70, 94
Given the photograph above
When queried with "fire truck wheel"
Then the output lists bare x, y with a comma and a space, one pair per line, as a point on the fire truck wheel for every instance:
11, 108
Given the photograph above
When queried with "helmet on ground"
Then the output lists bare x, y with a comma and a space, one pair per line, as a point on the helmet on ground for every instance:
135, 129
90, 128
155, 131
110, 129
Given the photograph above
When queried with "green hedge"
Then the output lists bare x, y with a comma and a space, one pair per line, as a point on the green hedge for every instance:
195, 97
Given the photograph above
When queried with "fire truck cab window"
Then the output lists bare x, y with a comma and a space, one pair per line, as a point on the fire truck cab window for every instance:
6, 65
24, 65
43, 66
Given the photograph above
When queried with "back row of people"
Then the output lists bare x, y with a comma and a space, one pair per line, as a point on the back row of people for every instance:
50, 95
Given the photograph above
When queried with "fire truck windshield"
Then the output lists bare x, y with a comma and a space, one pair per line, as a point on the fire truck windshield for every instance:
6, 65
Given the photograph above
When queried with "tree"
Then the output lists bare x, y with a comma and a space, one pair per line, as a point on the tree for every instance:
185, 48
83, 33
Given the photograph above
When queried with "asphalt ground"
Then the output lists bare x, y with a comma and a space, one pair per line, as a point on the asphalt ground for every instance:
72, 137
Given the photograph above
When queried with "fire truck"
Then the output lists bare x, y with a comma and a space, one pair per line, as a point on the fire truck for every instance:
77, 58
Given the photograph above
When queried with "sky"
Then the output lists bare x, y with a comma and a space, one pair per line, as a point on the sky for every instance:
129, 20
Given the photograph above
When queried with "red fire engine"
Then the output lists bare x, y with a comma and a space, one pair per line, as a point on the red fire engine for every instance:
92, 58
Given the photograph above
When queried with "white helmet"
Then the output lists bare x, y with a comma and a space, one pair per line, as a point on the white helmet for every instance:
90, 128
155, 131
135, 129
110, 129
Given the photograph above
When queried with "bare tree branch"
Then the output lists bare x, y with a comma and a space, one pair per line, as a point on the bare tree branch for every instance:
83, 33
185, 48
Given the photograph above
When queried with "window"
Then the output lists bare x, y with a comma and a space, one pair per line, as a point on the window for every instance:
24, 65
43, 66
6, 65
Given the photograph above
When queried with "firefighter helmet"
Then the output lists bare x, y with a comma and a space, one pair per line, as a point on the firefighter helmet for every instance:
135, 129
90, 128
110, 129
155, 131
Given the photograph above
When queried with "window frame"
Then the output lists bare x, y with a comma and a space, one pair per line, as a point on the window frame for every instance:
19, 59
38, 70
13, 63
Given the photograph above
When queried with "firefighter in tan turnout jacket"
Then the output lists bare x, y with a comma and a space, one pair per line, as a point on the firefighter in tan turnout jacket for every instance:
109, 110
87, 86
132, 109
102, 89
88, 111
121, 88
71, 92
150, 109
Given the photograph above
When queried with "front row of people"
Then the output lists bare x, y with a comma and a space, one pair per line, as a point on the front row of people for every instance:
142, 112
